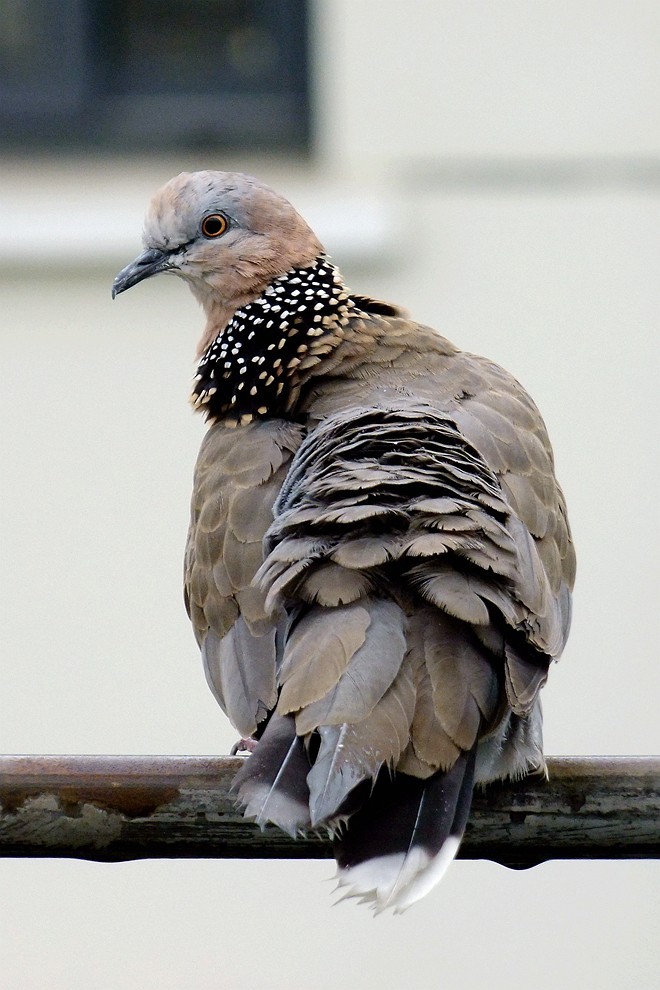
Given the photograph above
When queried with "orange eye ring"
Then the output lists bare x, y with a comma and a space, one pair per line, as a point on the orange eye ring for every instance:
214, 225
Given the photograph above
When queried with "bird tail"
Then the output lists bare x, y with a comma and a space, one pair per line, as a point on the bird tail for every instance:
272, 783
397, 846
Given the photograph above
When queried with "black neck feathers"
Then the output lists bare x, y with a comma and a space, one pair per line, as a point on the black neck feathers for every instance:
251, 367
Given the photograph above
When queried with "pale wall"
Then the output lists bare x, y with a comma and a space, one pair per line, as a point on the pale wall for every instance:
494, 167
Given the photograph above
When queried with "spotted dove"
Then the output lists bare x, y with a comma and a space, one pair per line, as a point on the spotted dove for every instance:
379, 564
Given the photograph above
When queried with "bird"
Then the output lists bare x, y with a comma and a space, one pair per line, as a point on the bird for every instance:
379, 564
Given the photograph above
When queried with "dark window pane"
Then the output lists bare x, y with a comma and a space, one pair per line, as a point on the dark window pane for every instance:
154, 73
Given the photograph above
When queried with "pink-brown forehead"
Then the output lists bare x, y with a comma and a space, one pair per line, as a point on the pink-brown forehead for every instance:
171, 214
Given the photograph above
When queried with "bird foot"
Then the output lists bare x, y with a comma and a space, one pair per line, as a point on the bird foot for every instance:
244, 746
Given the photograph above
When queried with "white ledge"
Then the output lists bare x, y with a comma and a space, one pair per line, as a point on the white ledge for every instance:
83, 214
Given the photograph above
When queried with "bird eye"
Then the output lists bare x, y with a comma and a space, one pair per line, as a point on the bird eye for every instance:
214, 225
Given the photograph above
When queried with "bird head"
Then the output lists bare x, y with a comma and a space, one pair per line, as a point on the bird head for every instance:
227, 235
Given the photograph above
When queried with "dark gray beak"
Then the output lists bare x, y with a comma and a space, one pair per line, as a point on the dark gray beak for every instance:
150, 263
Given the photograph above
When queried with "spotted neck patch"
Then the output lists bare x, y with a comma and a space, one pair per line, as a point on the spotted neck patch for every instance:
252, 365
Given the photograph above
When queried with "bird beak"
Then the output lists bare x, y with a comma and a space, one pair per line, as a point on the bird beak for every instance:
149, 263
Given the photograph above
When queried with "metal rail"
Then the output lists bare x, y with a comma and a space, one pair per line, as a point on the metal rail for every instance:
112, 808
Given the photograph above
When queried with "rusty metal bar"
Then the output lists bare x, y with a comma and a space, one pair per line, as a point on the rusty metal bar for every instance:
112, 808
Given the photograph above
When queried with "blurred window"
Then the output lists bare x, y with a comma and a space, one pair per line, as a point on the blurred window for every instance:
152, 74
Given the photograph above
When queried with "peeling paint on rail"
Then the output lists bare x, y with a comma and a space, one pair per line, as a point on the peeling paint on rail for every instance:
111, 808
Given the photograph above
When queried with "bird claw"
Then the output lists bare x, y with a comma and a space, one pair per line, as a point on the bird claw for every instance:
244, 746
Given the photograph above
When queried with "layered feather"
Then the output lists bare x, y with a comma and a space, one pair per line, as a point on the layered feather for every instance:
387, 601
235, 487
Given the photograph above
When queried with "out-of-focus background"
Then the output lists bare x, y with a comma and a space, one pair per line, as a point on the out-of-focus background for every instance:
495, 167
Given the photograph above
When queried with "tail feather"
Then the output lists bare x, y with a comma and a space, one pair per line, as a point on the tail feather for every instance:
272, 785
401, 841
